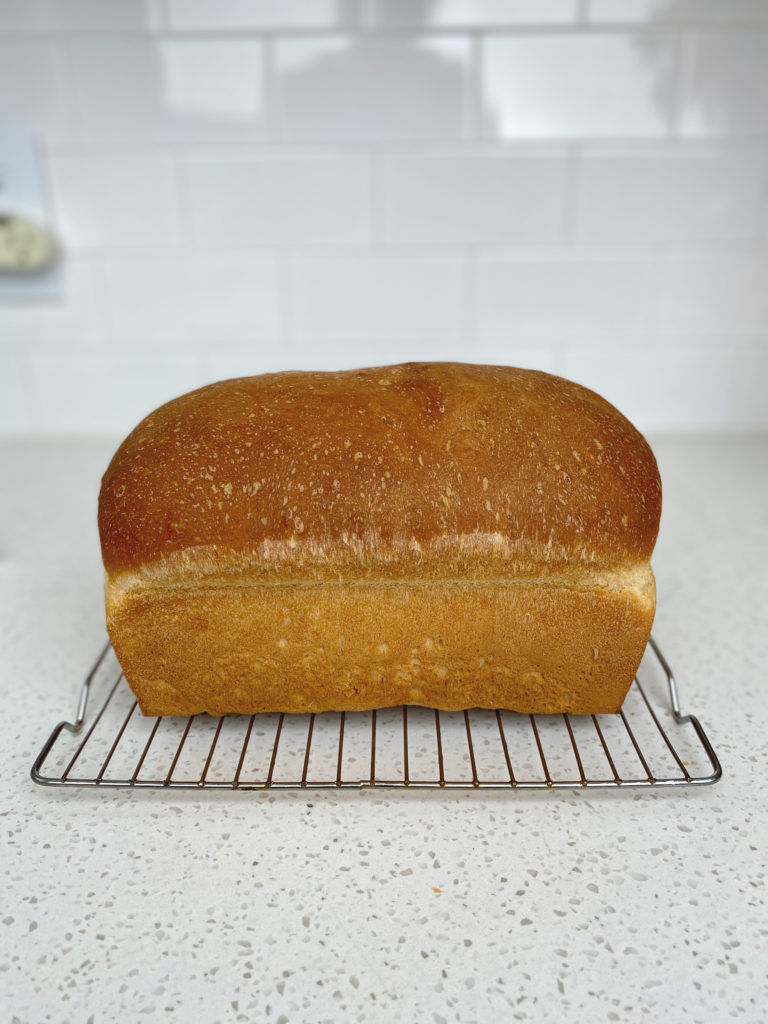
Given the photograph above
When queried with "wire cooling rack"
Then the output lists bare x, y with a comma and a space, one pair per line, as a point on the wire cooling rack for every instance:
111, 744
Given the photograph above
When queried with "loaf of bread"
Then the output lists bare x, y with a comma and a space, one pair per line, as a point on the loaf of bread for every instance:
433, 533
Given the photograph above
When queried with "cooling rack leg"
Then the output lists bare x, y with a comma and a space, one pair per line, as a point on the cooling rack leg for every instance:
73, 727
681, 719
36, 774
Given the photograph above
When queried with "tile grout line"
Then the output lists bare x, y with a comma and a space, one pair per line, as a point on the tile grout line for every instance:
573, 28
447, 145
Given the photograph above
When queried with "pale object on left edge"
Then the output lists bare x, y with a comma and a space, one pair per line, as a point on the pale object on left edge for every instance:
25, 246
29, 268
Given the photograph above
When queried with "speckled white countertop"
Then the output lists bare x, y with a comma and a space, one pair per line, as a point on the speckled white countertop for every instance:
381, 905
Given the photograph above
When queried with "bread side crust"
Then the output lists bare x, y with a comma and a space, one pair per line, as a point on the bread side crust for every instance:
535, 647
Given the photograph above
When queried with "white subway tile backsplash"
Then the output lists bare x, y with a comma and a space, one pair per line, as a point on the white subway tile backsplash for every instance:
261, 14
14, 412
749, 391
678, 12
715, 294
339, 355
79, 15
116, 201
378, 298
71, 318
372, 89
726, 92
578, 85
244, 186
106, 393
672, 196
563, 294
279, 200
474, 198
225, 365
329, 355
472, 13
306, 355
181, 301
30, 91
537, 354
678, 389
168, 92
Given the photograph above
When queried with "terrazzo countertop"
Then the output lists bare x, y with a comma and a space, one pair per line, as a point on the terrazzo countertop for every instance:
380, 905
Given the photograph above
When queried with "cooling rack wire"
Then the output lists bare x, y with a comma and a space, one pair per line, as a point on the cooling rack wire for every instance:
649, 743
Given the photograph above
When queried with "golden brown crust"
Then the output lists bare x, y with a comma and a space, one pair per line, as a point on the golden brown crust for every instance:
535, 648
506, 514
491, 470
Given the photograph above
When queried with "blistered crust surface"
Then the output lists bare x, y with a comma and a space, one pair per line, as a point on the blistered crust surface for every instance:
429, 470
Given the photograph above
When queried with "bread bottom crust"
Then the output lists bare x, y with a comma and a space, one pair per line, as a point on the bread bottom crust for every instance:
533, 648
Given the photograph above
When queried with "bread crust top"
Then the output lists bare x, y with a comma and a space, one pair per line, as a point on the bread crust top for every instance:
422, 470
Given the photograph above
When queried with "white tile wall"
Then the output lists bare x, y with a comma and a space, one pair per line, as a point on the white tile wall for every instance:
245, 185
30, 89
714, 294
334, 355
578, 86
109, 201
663, 390
167, 92
259, 14
564, 294
680, 11
14, 411
66, 16
179, 300
474, 198
748, 396
725, 94
69, 319
671, 196
75, 391
472, 13
328, 354
372, 89
382, 298
280, 200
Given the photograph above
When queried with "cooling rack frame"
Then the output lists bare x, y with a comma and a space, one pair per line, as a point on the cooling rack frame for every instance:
405, 777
